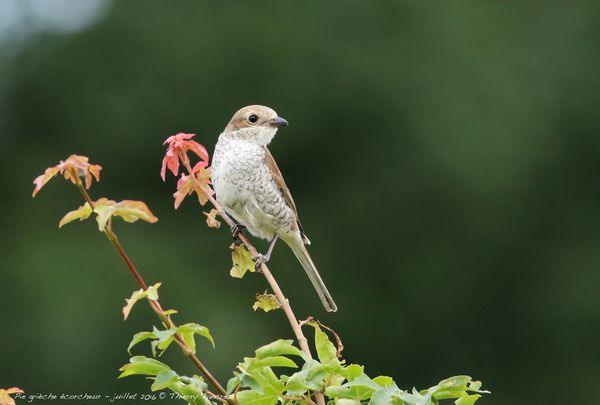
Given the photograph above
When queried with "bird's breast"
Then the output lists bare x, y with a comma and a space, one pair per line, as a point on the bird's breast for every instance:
245, 186
237, 167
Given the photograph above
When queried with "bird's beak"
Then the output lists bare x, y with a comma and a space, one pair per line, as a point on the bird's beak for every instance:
278, 122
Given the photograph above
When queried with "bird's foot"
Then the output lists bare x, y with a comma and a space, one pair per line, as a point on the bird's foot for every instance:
259, 259
236, 230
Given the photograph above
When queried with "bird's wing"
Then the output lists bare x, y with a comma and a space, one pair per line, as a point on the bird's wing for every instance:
287, 196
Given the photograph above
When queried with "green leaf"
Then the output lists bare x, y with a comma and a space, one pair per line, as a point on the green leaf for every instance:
380, 397
275, 361
248, 381
81, 213
352, 371
164, 338
393, 395
309, 378
142, 365
189, 330
266, 302
277, 348
467, 400
256, 372
362, 387
415, 398
259, 377
327, 353
151, 293
267, 380
249, 397
164, 379
241, 261
196, 382
104, 213
383, 381
326, 350
233, 383
344, 401
456, 387
191, 389
139, 337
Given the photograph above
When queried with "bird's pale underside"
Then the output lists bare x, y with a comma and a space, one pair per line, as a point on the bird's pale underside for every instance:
249, 185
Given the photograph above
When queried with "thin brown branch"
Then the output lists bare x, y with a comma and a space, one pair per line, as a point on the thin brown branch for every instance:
155, 305
115, 241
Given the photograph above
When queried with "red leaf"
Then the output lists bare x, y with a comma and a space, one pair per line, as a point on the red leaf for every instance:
177, 148
73, 168
198, 149
170, 161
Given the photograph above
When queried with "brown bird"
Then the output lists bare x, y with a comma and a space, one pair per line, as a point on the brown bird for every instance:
250, 187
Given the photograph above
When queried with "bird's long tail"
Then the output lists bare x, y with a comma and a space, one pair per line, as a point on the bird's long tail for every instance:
303, 257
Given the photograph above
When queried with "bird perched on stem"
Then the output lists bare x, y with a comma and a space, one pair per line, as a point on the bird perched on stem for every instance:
249, 185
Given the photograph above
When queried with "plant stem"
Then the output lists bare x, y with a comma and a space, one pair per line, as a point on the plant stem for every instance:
155, 305
115, 241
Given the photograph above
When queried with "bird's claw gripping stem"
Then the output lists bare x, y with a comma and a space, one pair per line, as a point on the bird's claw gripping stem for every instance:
259, 260
236, 230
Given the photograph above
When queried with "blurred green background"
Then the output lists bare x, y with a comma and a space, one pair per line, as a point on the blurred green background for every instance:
442, 156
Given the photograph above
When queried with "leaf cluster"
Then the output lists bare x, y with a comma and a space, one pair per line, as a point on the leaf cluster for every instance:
190, 389
257, 383
280, 372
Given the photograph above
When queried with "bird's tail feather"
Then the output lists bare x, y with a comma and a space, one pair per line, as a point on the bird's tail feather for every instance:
304, 258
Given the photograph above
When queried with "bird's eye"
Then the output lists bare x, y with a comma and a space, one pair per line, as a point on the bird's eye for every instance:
253, 118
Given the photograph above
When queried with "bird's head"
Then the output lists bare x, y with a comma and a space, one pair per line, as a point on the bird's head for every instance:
255, 123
